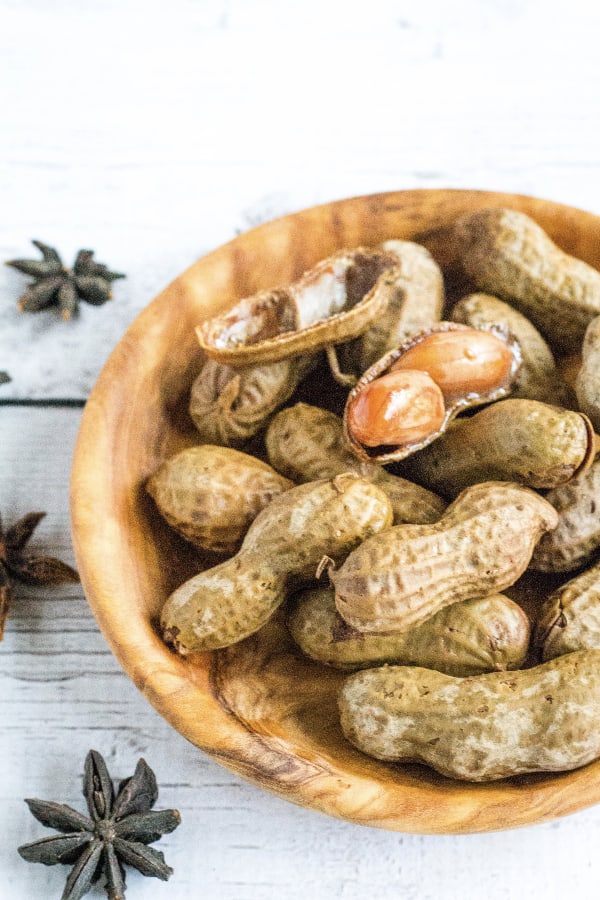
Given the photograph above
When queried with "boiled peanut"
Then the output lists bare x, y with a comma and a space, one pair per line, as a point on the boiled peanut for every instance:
587, 385
481, 728
229, 406
387, 418
399, 409
483, 635
569, 619
470, 361
306, 443
481, 545
538, 377
211, 494
507, 254
532, 443
282, 548
416, 302
576, 539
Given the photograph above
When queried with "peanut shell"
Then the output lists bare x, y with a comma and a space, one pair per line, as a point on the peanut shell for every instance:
211, 494
587, 384
481, 728
483, 635
569, 619
481, 545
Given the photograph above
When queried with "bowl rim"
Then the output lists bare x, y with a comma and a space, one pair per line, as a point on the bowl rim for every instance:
190, 705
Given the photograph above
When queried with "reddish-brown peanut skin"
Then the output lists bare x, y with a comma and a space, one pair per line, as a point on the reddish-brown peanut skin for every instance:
481, 545
575, 541
484, 635
305, 443
481, 728
507, 254
282, 549
569, 619
211, 494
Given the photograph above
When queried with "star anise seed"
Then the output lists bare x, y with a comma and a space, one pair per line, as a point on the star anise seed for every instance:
25, 567
56, 285
119, 828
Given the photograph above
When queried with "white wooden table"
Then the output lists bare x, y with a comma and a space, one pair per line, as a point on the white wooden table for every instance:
152, 133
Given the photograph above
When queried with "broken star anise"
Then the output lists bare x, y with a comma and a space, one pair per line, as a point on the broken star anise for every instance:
16, 564
117, 831
57, 285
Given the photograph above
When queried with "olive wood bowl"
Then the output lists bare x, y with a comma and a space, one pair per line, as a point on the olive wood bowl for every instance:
259, 708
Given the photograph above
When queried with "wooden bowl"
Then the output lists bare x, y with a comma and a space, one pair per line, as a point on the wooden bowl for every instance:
259, 708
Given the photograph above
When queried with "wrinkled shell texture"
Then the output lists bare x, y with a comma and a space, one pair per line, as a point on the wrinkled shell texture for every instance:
481, 728
538, 378
480, 546
507, 254
576, 539
531, 443
283, 546
211, 494
305, 442
587, 386
483, 635
569, 619
229, 406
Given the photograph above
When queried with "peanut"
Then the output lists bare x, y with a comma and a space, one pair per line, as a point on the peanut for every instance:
229, 406
509, 255
387, 418
532, 443
481, 545
569, 619
416, 302
210, 494
576, 539
481, 728
483, 635
282, 548
587, 384
538, 377
469, 361
399, 409
306, 443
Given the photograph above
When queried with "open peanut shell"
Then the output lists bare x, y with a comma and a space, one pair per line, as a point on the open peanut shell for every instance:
385, 453
332, 303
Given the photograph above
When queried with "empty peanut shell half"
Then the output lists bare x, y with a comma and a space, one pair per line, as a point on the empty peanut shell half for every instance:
333, 302
407, 398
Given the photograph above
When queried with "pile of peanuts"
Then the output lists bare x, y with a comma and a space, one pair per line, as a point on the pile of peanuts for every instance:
389, 527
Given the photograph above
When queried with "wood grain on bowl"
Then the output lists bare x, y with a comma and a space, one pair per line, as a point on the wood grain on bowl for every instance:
260, 708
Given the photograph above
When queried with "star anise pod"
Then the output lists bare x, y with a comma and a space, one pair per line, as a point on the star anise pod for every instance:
117, 832
16, 564
56, 285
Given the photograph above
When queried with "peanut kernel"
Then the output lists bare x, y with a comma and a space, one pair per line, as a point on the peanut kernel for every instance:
397, 409
460, 362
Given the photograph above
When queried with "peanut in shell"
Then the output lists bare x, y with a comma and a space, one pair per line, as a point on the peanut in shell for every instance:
484, 635
532, 443
305, 443
482, 544
282, 550
575, 541
481, 728
569, 619
507, 254
211, 494
538, 378
229, 406
587, 384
